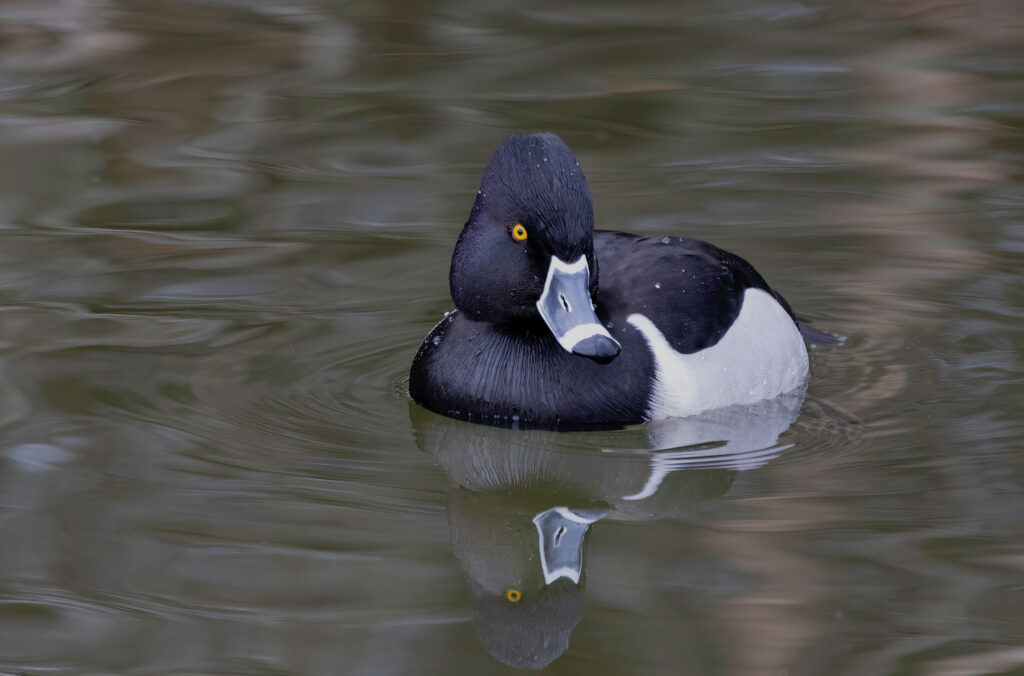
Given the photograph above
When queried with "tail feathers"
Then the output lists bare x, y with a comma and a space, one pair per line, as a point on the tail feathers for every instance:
814, 336
811, 335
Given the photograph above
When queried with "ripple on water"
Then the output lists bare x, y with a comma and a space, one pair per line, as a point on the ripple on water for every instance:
316, 398
71, 626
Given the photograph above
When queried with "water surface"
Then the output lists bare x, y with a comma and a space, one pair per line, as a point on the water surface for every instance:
226, 227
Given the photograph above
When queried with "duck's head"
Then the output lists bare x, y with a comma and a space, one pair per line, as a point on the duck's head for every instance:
527, 251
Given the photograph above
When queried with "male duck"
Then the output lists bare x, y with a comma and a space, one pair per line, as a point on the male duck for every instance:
559, 325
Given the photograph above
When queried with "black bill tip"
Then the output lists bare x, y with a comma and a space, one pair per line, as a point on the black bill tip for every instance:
601, 349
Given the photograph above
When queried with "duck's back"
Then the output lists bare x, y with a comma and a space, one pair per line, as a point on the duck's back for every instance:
692, 290
716, 331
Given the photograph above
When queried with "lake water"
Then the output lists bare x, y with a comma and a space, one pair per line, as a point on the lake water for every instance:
226, 226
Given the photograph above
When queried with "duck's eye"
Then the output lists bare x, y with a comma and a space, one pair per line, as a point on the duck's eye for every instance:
514, 595
519, 232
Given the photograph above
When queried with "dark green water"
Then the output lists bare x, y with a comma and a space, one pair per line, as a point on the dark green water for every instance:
225, 227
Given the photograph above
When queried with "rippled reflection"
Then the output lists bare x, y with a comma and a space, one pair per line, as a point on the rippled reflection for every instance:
526, 501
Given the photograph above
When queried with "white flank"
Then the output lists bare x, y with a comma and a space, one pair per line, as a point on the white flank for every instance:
761, 356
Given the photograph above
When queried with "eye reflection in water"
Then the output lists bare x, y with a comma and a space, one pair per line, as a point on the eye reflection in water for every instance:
527, 499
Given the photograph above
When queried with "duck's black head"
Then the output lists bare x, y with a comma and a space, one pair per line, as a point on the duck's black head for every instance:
527, 251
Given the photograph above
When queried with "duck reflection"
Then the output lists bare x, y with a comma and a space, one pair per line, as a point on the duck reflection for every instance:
526, 500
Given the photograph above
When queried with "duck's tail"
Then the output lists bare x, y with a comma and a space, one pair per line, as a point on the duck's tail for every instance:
813, 336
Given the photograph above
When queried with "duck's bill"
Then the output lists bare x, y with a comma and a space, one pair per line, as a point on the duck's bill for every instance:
566, 308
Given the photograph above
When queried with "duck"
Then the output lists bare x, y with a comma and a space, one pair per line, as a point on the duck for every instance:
557, 325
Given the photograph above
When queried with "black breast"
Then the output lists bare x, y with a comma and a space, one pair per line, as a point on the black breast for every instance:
502, 375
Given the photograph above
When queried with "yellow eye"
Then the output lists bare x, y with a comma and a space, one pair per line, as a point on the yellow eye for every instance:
513, 595
519, 232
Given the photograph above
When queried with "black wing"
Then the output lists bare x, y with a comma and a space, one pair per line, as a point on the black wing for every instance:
691, 290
